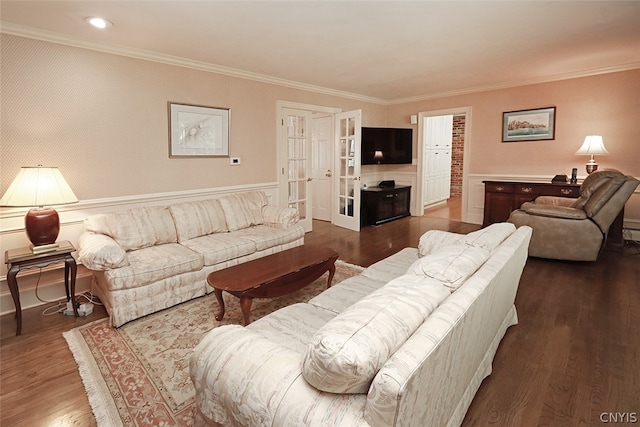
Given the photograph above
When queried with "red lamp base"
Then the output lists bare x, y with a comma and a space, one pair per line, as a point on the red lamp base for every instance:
42, 226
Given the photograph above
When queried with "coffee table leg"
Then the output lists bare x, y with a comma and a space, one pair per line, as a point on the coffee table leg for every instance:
220, 314
332, 271
245, 305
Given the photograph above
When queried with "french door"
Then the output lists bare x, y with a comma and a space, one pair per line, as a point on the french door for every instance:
346, 206
296, 131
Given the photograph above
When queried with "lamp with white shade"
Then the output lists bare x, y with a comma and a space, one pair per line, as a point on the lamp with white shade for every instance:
592, 145
39, 187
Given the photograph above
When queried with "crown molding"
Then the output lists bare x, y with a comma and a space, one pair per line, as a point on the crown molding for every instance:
539, 80
52, 37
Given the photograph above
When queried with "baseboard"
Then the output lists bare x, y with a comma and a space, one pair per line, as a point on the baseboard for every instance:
49, 285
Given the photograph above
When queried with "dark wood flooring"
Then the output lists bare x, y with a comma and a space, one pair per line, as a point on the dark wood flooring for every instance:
573, 356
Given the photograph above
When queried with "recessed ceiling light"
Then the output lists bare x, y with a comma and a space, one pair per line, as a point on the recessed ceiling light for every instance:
98, 22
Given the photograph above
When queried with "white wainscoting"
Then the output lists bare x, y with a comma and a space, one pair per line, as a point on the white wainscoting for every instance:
48, 284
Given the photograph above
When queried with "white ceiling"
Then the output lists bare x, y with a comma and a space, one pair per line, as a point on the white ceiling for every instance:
386, 51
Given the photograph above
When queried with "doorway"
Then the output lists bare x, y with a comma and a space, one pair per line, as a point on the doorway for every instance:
300, 169
454, 186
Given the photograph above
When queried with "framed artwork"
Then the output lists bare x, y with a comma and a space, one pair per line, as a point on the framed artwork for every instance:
529, 125
198, 131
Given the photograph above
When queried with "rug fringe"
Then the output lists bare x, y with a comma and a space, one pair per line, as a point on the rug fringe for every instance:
354, 266
104, 411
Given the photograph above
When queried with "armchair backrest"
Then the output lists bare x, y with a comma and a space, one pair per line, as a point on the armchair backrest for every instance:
603, 195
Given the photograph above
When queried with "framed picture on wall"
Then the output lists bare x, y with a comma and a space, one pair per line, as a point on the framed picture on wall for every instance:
529, 125
198, 131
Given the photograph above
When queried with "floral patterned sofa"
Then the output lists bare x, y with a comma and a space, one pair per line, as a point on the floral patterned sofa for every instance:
147, 259
405, 343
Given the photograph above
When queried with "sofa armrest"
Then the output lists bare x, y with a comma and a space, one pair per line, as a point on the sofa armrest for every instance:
554, 211
240, 376
100, 252
280, 217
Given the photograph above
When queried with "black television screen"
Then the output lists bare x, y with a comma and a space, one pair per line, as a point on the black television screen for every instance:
386, 146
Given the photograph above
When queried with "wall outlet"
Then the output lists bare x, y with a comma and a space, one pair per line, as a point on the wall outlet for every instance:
234, 161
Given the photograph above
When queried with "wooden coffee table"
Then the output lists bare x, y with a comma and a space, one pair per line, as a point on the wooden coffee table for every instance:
272, 276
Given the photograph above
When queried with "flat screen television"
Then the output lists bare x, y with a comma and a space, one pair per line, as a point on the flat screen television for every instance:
386, 146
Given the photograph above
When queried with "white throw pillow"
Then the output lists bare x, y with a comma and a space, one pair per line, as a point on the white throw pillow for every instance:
100, 252
346, 353
451, 265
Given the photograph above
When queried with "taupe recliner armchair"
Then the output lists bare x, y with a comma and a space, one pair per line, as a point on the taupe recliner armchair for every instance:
576, 229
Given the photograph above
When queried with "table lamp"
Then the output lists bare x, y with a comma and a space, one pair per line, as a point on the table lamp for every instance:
39, 187
377, 155
592, 145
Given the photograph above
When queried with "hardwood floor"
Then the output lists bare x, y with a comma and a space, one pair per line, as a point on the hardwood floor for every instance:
573, 355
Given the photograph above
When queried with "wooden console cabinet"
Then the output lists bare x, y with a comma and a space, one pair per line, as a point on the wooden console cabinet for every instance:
384, 204
503, 197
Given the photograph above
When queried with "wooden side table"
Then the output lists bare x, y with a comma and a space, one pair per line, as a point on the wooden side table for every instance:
23, 258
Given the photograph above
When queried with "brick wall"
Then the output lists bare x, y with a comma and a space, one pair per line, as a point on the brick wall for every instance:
457, 153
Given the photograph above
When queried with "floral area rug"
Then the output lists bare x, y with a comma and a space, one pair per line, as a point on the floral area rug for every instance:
138, 374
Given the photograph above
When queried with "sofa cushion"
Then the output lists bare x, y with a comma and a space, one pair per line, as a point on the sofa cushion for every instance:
433, 240
489, 237
243, 210
195, 219
99, 252
151, 264
135, 228
339, 297
346, 353
392, 266
292, 326
266, 237
220, 247
451, 265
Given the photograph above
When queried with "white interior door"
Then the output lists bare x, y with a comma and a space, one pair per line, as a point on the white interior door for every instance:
346, 206
297, 139
322, 167
437, 143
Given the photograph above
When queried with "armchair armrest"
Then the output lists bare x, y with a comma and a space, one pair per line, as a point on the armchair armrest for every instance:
554, 211
100, 252
280, 217
240, 376
555, 201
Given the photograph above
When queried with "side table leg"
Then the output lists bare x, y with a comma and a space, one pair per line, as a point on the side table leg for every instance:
245, 306
70, 271
218, 294
15, 294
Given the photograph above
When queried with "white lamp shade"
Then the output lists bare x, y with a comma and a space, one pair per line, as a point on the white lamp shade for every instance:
592, 144
38, 186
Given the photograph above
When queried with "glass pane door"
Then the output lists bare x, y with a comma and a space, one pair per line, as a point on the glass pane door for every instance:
298, 140
347, 167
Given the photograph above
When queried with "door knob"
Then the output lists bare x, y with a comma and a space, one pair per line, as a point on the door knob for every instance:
309, 179
328, 174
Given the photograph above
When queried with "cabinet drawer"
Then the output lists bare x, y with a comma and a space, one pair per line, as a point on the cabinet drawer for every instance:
498, 187
562, 191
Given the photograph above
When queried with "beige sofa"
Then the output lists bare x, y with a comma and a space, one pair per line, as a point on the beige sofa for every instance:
405, 343
147, 259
